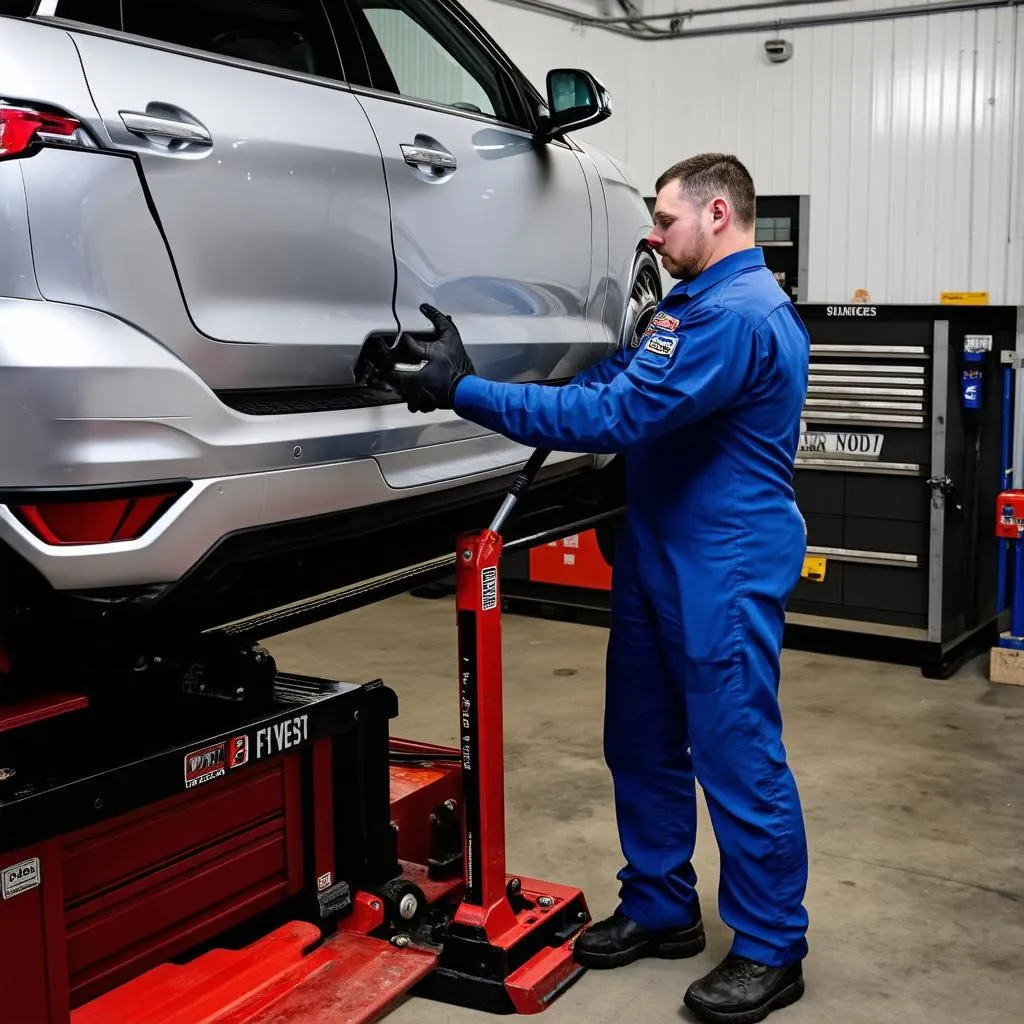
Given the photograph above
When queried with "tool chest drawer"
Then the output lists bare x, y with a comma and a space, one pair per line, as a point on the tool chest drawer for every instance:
867, 593
871, 593
878, 537
902, 498
873, 567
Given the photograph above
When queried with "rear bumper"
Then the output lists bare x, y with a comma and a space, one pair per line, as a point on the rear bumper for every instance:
253, 505
299, 568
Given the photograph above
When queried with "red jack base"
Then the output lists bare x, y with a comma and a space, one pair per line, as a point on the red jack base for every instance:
297, 975
281, 978
291, 975
515, 957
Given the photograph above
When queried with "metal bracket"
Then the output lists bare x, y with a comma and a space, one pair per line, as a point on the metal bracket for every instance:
445, 856
942, 486
226, 674
1010, 358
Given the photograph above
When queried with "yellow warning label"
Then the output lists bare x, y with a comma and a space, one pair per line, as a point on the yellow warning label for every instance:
814, 568
964, 298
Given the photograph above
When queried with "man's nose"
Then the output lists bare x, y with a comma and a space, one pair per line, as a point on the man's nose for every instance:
654, 239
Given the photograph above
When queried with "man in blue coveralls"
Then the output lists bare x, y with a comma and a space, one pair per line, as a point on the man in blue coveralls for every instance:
706, 407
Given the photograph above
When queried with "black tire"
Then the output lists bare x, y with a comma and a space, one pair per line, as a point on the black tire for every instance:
645, 292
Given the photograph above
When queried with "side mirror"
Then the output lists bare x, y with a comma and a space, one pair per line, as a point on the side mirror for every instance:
576, 99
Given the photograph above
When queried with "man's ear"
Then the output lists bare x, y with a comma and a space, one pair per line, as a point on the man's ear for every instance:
720, 213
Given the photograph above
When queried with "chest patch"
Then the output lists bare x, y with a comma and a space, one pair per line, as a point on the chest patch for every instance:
663, 320
662, 345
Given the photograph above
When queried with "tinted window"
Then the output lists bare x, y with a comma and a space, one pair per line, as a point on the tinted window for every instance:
290, 34
415, 50
105, 13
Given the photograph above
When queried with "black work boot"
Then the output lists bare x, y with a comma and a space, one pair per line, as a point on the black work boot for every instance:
741, 991
617, 941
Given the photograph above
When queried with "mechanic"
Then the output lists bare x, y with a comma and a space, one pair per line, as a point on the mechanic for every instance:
706, 407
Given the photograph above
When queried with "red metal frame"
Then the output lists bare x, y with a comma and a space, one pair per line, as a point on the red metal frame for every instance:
323, 814
38, 708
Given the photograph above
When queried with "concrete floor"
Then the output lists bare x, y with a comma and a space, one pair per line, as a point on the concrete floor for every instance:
913, 792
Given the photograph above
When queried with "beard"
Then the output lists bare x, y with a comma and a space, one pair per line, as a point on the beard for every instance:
689, 267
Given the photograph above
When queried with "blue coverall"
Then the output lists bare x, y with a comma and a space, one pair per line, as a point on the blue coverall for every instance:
707, 411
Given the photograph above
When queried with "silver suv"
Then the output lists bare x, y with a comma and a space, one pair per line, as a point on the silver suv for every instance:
207, 209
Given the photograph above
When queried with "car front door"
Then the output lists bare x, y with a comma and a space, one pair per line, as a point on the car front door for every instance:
489, 226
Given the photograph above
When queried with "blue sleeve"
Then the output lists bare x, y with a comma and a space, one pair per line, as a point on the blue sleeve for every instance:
674, 378
604, 369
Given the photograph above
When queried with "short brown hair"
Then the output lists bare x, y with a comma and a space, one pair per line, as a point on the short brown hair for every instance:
707, 175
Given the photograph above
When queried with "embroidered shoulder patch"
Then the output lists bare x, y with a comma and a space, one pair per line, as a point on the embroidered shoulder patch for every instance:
662, 344
639, 338
663, 320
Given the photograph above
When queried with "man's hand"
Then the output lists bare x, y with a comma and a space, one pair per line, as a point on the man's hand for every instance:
429, 371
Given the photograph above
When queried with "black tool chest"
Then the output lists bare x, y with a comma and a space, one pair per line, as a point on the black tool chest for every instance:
897, 499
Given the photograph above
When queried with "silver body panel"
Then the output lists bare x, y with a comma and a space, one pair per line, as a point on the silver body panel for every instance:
501, 242
279, 230
141, 278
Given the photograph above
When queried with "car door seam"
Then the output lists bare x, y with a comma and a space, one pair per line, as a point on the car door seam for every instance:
391, 214
28, 228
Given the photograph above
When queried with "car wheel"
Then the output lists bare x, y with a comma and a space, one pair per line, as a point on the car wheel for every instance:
644, 296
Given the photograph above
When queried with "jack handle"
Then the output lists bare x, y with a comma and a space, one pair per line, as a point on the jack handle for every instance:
519, 487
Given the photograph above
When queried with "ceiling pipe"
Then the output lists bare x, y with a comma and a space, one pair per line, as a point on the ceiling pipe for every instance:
776, 25
706, 11
567, 14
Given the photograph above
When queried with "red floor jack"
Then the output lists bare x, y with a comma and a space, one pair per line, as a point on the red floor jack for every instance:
213, 842
509, 946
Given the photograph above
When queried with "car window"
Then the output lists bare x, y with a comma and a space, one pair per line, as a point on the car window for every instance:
104, 13
289, 34
415, 50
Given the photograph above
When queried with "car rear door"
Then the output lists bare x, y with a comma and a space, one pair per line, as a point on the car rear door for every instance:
489, 226
262, 169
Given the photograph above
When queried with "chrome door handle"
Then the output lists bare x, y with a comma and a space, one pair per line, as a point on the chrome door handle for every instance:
418, 156
162, 128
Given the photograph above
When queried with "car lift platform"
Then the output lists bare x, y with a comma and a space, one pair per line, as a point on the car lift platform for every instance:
294, 863
201, 839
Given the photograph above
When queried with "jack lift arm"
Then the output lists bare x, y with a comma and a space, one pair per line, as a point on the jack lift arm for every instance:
238, 845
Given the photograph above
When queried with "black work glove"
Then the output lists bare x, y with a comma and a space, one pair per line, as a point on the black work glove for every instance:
425, 373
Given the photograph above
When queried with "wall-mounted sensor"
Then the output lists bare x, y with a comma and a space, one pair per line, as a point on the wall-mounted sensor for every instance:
778, 50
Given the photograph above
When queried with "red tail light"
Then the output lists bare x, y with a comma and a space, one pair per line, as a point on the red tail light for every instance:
24, 128
94, 522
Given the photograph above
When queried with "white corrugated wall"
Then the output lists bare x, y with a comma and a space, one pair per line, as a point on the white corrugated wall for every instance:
908, 135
